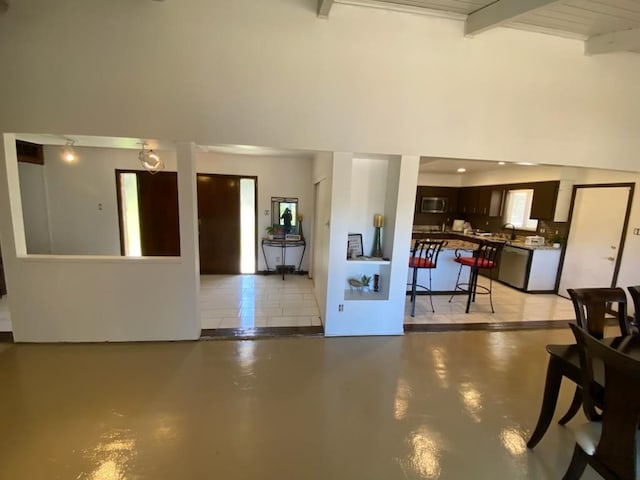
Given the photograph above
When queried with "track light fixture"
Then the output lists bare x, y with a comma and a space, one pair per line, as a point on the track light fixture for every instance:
150, 160
68, 152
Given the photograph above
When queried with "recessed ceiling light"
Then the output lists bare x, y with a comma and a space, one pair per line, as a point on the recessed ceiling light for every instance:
462, 170
500, 163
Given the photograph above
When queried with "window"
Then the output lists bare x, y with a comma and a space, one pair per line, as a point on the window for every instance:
518, 209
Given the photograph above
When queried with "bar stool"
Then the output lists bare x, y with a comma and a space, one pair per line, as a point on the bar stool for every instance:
423, 255
485, 257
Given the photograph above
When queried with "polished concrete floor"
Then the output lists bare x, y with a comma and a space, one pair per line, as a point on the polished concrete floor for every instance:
455, 405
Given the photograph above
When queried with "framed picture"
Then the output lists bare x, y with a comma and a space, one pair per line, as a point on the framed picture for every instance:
354, 245
291, 236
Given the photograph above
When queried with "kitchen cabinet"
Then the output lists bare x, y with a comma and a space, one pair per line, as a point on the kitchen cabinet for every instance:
543, 204
496, 202
483, 200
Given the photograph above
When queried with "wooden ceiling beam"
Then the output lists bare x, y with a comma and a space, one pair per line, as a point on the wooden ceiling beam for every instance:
324, 7
500, 12
622, 41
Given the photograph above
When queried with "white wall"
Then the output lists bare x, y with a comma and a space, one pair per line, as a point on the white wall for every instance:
273, 74
35, 207
82, 197
94, 298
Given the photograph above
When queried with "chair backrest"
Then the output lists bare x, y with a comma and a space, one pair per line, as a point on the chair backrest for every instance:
425, 253
591, 304
487, 254
615, 453
634, 291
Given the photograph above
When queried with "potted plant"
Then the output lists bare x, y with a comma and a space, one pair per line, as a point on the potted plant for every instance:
270, 231
557, 240
366, 281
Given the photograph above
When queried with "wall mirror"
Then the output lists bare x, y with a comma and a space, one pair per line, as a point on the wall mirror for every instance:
284, 215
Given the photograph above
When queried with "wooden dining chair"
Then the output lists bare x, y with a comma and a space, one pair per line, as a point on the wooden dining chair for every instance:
591, 306
634, 291
610, 446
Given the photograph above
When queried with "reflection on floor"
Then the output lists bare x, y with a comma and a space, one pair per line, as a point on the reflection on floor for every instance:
510, 305
456, 405
250, 301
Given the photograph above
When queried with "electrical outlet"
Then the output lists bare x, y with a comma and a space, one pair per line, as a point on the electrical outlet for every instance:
266, 213
341, 308
277, 259
636, 231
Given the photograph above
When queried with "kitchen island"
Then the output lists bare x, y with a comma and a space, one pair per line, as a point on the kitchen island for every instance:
525, 267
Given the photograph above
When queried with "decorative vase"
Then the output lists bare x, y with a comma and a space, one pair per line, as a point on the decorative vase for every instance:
377, 244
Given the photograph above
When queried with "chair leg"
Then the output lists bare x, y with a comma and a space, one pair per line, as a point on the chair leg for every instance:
576, 403
413, 292
549, 400
455, 289
491, 289
430, 295
472, 287
578, 464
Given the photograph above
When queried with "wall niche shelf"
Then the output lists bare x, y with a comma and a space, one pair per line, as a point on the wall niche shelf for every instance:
369, 261
356, 295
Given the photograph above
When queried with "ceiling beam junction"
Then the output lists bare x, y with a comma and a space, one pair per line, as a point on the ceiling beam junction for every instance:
500, 12
324, 7
622, 41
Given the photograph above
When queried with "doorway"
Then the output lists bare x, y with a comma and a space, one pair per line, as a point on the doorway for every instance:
149, 219
598, 223
227, 223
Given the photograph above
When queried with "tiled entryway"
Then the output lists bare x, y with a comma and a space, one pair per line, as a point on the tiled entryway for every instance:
250, 301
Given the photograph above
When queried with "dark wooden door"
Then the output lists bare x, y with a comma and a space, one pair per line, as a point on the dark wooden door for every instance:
219, 223
158, 211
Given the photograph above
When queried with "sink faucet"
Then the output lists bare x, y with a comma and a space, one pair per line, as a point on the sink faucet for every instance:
513, 230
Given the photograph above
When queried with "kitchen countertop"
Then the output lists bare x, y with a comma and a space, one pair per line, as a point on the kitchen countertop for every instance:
465, 240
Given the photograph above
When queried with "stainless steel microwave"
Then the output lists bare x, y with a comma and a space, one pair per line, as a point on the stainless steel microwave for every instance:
433, 205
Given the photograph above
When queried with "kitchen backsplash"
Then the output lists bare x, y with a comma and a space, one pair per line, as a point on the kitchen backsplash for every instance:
546, 229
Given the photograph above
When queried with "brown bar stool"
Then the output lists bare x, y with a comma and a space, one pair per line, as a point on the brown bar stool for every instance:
424, 255
485, 257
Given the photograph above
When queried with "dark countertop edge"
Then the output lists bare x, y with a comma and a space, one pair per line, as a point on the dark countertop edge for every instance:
477, 239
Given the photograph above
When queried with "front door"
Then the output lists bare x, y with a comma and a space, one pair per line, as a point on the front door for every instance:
598, 220
219, 222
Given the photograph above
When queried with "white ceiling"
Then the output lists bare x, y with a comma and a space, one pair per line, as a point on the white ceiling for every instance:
605, 25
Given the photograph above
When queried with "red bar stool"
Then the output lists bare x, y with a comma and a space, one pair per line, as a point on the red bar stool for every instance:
485, 257
423, 255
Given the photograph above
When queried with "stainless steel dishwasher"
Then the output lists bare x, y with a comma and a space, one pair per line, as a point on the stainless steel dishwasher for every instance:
514, 263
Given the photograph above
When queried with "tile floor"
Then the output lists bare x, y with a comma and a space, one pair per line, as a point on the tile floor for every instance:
454, 405
510, 305
248, 301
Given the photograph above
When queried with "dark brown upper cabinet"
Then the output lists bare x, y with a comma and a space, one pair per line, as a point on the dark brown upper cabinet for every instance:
29, 152
545, 195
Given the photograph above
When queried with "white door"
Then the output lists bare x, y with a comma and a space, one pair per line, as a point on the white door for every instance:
594, 237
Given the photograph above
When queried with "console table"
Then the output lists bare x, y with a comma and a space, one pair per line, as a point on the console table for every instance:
283, 245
